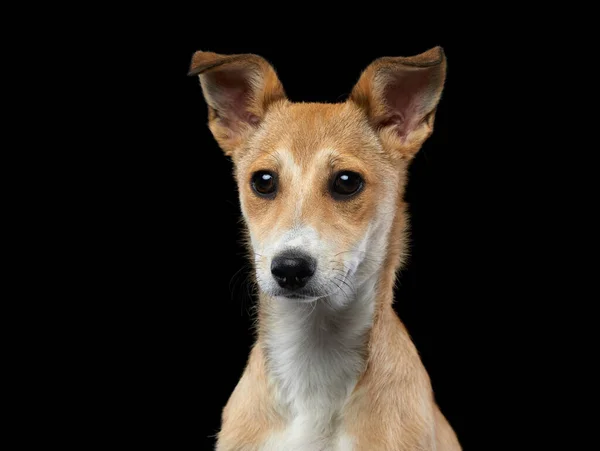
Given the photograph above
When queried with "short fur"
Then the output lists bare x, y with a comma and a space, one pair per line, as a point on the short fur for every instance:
336, 370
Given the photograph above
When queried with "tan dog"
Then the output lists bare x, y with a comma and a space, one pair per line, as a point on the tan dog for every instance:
321, 189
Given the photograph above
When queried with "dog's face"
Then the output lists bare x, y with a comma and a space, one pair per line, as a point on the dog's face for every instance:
316, 190
319, 183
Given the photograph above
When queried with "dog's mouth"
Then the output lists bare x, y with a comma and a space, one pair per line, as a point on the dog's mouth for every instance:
297, 295
309, 294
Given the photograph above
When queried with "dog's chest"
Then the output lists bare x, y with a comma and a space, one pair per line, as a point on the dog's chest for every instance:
315, 358
302, 435
314, 390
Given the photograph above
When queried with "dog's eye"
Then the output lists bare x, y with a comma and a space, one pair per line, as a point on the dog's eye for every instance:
264, 183
346, 184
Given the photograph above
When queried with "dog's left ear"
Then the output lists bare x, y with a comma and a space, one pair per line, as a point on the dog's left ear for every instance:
400, 96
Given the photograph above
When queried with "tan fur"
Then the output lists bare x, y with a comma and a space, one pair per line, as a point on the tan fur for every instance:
250, 414
392, 406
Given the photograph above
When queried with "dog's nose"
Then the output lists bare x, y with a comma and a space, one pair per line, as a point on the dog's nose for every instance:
292, 271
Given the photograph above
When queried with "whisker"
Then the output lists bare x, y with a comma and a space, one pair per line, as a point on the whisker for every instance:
341, 289
312, 310
352, 290
369, 259
237, 273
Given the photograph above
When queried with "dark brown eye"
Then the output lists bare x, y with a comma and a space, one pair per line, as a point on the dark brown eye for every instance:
264, 183
346, 184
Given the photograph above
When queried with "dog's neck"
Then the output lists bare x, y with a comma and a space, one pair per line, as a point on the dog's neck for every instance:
316, 353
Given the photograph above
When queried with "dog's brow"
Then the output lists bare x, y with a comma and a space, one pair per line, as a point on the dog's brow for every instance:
328, 154
272, 154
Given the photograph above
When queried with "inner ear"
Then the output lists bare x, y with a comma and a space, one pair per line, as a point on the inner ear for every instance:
408, 99
231, 95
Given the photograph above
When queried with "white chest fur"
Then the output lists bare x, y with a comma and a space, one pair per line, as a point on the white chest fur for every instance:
297, 438
315, 355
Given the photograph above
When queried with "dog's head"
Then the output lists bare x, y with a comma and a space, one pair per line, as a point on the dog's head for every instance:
319, 184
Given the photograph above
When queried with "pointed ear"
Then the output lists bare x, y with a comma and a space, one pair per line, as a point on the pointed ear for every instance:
400, 96
238, 90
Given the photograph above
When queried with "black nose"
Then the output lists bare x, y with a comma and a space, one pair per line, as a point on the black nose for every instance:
292, 271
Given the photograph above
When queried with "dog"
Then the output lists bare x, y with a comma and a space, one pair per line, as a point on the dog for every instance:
321, 192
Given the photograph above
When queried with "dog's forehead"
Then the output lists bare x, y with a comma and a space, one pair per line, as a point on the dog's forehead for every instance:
308, 133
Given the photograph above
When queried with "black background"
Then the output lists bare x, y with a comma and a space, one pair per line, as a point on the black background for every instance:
182, 323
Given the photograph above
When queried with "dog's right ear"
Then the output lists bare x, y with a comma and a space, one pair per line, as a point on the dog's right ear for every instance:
238, 90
